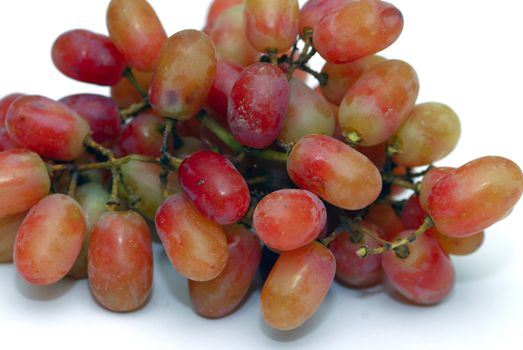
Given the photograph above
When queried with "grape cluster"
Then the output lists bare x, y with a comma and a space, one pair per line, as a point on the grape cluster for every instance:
215, 137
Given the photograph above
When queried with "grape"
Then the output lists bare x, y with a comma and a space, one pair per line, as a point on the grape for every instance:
288, 219
214, 187
258, 104
358, 29
195, 245
143, 135
385, 217
428, 182
89, 57
314, 10
426, 276
297, 285
218, 7
228, 36
8, 228
47, 127
136, 31
220, 296
376, 105
308, 113
92, 198
120, 259
334, 171
227, 74
144, 181
377, 154
189, 146
429, 133
351, 269
49, 239
5, 102
101, 112
341, 77
184, 75
458, 246
24, 180
125, 94
412, 215
6, 142
475, 196
271, 24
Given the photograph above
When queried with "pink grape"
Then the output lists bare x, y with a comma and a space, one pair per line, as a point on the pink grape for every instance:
120, 267
271, 24
426, 276
385, 217
183, 76
49, 239
359, 29
6, 142
218, 7
334, 171
88, 57
136, 31
288, 219
475, 196
314, 10
215, 187
429, 180
101, 112
258, 103
8, 228
143, 135
47, 127
220, 296
195, 245
226, 75
297, 285
5, 102
24, 181
376, 105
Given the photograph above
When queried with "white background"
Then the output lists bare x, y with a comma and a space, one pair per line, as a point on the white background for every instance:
467, 54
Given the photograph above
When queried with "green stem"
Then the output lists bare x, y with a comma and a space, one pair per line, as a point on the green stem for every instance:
134, 109
128, 73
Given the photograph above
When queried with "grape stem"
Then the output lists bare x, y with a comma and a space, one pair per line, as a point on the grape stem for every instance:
73, 184
128, 73
134, 109
305, 55
165, 157
398, 181
400, 247
320, 77
225, 136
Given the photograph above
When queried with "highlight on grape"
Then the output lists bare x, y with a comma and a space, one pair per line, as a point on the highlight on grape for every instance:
214, 138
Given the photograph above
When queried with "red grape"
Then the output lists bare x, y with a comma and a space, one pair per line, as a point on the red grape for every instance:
226, 75
334, 171
5, 102
120, 267
429, 180
88, 57
136, 31
6, 142
8, 229
143, 135
258, 103
214, 186
195, 245
49, 239
314, 10
385, 217
288, 219
218, 7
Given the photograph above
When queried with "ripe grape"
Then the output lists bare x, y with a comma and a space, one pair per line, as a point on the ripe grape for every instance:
49, 239
47, 127
143, 135
359, 29
288, 219
385, 217
228, 36
218, 7
214, 187
227, 74
351, 269
8, 228
297, 285
189, 145
125, 94
258, 103
5, 102
271, 24
334, 171
101, 112
377, 154
341, 77
458, 246
429, 180
308, 113
184, 75
195, 245
426, 276
24, 180
220, 296
314, 10
136, 31
120, 260
6, 142
429, 133
475, 196
92, 197
88, 57
378, 102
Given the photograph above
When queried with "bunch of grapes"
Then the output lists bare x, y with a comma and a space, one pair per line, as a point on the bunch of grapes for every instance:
244, 169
